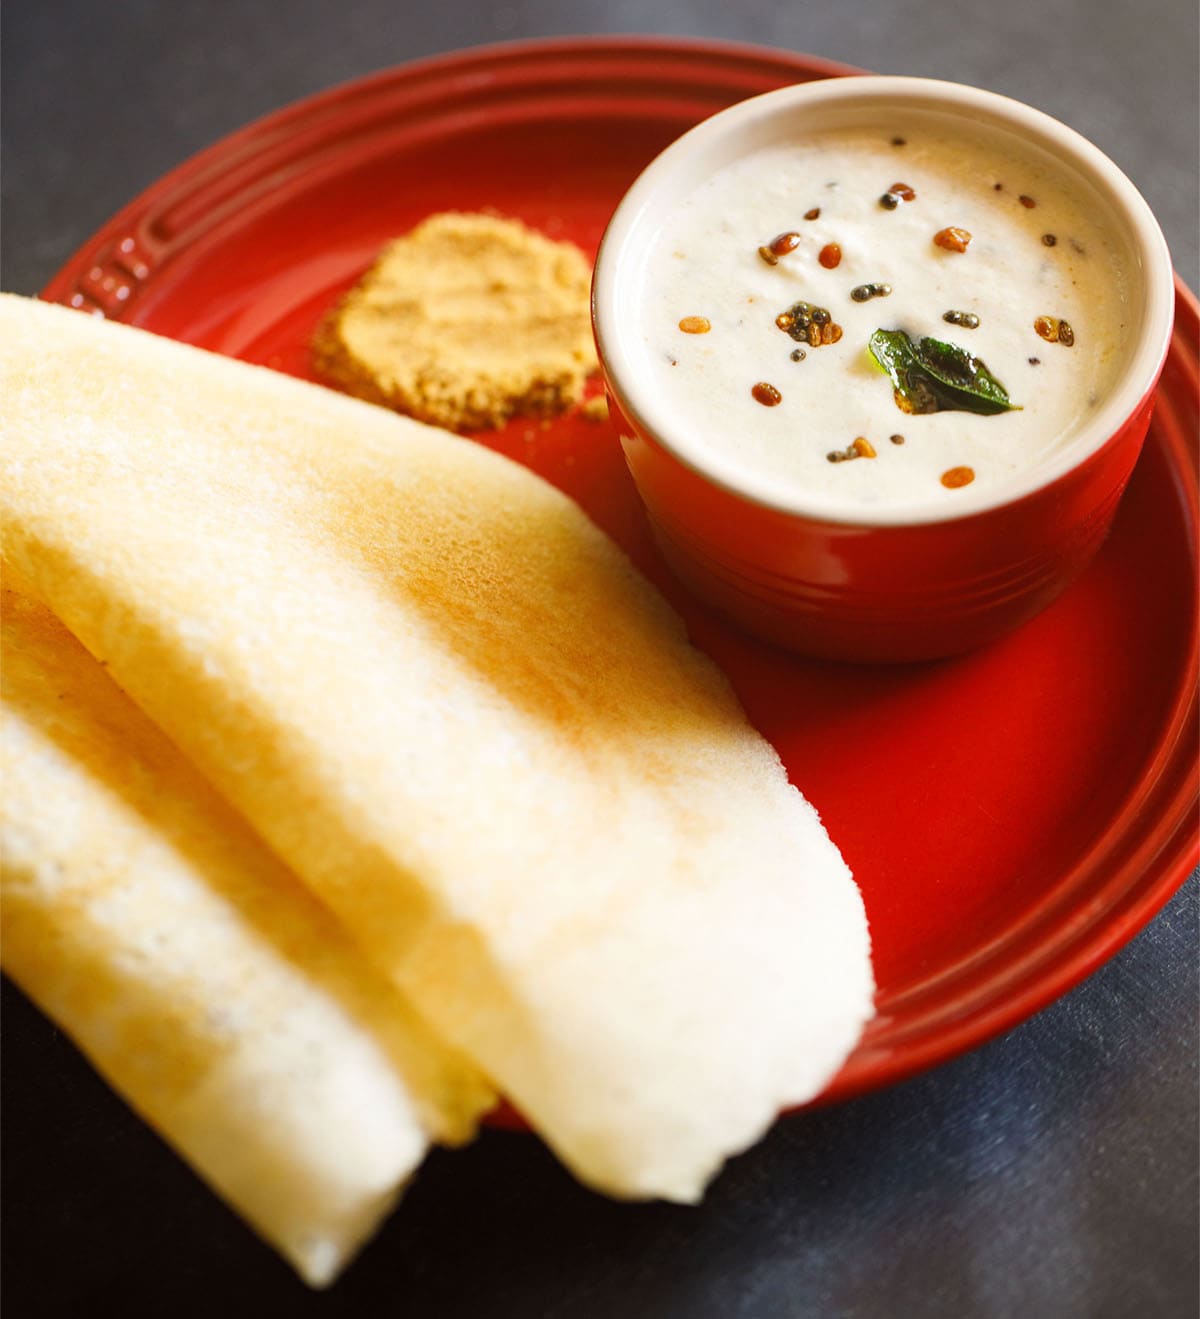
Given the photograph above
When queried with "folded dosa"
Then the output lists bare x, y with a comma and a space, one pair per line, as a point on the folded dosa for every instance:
461, 716
200, 977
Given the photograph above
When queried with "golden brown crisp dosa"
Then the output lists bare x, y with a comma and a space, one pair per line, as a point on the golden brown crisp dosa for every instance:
199, 976
465, 721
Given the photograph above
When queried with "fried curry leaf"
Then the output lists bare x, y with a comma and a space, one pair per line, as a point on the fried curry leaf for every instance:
932, 376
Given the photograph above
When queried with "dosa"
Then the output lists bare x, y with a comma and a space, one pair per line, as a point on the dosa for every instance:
199, 976
454, 708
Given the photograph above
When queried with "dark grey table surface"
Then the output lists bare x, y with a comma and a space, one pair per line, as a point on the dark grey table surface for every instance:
1052, 1172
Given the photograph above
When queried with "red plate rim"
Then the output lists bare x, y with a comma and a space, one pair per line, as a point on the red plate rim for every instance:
424, 78
1152, 843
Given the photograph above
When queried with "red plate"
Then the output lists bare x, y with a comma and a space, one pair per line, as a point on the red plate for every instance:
1014, 816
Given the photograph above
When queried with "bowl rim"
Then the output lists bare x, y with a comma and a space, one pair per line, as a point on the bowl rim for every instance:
1150, 257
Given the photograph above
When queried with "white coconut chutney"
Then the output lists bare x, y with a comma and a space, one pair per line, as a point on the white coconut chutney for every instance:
753, 396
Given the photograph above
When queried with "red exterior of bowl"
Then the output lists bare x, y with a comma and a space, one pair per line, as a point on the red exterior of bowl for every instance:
879, 593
